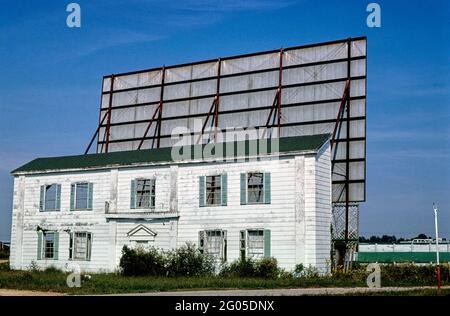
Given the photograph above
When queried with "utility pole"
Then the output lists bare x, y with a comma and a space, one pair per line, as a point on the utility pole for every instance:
435, 209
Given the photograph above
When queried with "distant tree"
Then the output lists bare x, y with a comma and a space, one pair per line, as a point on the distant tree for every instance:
388, 239
422, 236
378, 239
363, 239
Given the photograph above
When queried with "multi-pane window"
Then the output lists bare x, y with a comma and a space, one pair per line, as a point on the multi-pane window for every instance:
255, 187
255, 242
213, 190
213, 242
145, 193
80, 246
81, 201
81, 196
47, 245
50, 197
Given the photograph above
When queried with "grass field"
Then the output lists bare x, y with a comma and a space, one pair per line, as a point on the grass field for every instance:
109, 283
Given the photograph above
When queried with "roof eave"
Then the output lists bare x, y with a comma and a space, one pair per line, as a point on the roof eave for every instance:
164, 163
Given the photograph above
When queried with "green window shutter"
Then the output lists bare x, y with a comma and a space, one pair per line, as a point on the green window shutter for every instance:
39, 245
242, 243
58, 197
133, 194
224, 246
201, 241
89, 246
56, 246
267, 187
72, 196
224, 179
201, 191
71, 244
42, 198
90, 195
266, 243
243, 188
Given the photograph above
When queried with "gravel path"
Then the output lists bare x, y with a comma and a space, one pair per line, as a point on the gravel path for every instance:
271, 292
7, 292
284, 292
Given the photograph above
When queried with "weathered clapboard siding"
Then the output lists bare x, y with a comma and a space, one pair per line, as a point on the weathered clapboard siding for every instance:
298, 216
318, 210
278, 216
64, 220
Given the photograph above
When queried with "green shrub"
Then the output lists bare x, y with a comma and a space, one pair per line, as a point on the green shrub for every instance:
52, 269
4, 266
184, 261
140, 262
239, 268
267, 268
188, 261
247, 268
299, 270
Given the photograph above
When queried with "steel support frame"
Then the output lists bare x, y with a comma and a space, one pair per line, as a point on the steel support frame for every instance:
158, 110
344, 110
214, 106
108, 123
342, 118
96, 132
277, 101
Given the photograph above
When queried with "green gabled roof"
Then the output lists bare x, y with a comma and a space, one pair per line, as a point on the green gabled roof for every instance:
160, 155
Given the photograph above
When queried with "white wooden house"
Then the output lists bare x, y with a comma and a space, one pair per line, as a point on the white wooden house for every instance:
79, 211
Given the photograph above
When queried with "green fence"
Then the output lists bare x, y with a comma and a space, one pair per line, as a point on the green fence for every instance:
387, 257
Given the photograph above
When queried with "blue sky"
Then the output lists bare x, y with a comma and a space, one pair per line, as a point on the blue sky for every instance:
50, 82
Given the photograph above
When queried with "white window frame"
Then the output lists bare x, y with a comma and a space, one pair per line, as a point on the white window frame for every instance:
44, 245
247, 190
219, 203
44, 206
72, 246
75, 208
151, 205
222, 255
246, 246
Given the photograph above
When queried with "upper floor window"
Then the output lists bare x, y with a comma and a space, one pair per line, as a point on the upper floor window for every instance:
81, 195
213, 190
255, 188
143, 193
48, 245
50, 197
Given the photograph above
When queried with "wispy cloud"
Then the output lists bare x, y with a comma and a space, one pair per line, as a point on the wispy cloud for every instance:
232, 5
411, 153
120, 38
393, 135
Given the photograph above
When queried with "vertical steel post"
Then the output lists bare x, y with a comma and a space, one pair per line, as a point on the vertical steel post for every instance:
108, 123
217, 100
161, 98
438, 268
280, 84
347, 163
